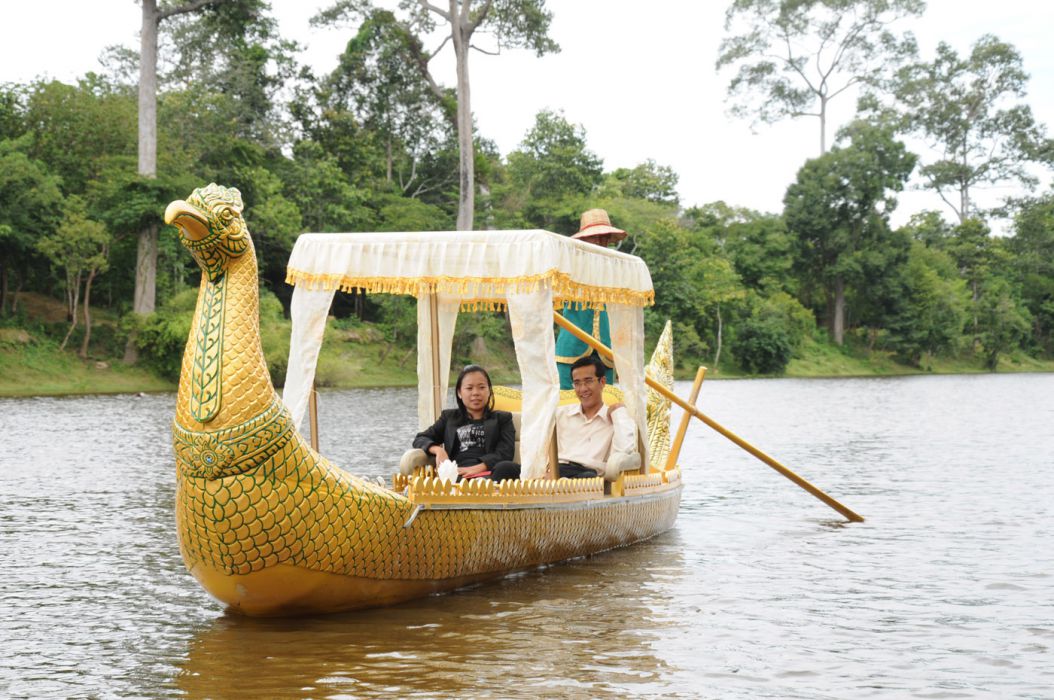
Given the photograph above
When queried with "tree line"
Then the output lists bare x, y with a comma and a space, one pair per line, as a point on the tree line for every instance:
215, 93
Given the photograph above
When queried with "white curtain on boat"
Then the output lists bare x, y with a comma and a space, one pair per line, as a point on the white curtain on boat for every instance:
531, 318
308, 310
526, 270
627, 342
448, 307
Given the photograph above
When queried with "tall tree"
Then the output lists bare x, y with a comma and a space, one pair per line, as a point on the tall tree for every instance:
80, 247
969, 110
377, 82
234, 49
552, 164
756, 243
930, 305
77, 129
675, 261
30, 202
699, 284
648, 181
838, 210
974, 251
929, 228
321, 191
510, 23
1033, 249
12, 110
720, 286
795, 56
1003, 321
146, 257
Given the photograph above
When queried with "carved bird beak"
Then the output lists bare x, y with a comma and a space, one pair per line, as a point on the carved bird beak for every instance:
188, 219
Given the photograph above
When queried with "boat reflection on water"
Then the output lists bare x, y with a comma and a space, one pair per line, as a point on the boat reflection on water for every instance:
590, 625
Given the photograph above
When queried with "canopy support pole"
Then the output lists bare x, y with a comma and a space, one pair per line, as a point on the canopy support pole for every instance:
437, 384
678, 441
312, 412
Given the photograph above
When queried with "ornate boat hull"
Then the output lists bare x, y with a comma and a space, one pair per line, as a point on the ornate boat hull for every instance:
462, 546
270, 527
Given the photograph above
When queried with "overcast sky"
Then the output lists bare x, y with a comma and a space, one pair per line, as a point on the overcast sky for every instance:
639, 77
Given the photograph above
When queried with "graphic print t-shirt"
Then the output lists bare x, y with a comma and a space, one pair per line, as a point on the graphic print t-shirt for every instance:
471, 441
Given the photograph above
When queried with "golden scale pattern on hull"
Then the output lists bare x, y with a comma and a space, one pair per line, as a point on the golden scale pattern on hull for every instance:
253, 499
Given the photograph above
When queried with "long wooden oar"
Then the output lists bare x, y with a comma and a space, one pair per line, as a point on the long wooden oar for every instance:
605, 350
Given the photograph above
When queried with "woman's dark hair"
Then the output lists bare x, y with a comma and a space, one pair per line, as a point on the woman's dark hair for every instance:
469, 369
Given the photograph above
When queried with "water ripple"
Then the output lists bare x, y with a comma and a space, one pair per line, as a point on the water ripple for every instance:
759, 592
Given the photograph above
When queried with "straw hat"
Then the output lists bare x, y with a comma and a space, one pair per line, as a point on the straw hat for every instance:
595, 222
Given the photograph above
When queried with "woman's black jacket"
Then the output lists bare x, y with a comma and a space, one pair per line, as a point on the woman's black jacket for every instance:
499, 436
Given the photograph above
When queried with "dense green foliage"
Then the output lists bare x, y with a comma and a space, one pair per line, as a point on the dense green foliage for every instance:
837, 211
372, 146
763, 346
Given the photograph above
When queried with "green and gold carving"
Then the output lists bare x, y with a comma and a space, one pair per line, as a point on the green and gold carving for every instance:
215, 454
206, 379
661, 370
227, 237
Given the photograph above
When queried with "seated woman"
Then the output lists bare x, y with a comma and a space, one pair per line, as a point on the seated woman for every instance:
474, 435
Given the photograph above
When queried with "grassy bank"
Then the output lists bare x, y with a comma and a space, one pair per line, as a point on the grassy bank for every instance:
816, 359
360, 355
30, 365
353, 355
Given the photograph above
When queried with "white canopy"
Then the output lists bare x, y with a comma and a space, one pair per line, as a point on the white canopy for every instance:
530, 272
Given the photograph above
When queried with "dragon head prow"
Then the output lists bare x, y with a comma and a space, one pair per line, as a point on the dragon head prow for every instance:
211, 227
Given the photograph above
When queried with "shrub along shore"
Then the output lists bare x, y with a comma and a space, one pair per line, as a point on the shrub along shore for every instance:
826, 284
362, 354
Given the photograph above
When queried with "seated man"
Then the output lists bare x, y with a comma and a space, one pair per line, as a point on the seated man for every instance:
590, 432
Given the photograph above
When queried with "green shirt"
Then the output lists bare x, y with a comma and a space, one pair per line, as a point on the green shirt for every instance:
570, 348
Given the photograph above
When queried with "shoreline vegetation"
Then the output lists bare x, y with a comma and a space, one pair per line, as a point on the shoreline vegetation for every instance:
359, 355
825, 286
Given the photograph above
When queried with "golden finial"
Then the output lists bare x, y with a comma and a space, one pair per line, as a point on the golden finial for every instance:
660, 369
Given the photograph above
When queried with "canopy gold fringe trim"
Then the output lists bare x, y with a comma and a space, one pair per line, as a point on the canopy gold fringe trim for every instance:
477, 293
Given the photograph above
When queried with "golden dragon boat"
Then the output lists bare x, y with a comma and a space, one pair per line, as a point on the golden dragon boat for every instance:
269, 526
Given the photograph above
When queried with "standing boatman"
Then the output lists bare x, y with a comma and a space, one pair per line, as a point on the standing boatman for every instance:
593, 227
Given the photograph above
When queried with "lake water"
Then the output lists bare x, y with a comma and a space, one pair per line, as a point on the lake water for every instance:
759, 591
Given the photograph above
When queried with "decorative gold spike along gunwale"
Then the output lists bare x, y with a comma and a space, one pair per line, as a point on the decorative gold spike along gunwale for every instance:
634, 501
637, 484
432, 490
660, 369
642, 480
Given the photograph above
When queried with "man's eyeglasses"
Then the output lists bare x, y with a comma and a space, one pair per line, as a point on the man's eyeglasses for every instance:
588, 381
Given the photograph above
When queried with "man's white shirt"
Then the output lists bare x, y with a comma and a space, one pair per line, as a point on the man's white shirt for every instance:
591, 441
